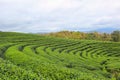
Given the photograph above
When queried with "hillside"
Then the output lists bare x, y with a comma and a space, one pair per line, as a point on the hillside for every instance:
35, 57
99, 36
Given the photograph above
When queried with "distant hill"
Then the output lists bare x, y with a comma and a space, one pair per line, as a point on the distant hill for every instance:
82, 35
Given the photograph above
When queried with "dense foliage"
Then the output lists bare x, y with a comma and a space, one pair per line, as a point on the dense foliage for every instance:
34, 57
114, 36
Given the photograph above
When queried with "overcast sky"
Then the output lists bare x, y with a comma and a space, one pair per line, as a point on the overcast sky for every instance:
56, 15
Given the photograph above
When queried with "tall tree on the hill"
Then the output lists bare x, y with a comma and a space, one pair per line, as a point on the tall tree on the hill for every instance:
116, 36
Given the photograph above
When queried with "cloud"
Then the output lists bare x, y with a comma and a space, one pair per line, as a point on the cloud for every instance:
56, 15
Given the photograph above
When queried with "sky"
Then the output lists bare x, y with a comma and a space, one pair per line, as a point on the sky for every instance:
56, 15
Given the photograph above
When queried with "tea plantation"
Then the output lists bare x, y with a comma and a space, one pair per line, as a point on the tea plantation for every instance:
35, 57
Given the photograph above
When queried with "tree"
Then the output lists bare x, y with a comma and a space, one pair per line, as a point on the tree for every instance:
115, 36
106, 37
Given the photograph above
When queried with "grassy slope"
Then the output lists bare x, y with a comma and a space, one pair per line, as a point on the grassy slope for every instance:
28, 56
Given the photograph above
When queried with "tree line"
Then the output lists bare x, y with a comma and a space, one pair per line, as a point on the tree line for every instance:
114, 36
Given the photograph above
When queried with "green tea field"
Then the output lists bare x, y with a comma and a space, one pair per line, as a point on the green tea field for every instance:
35, 57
